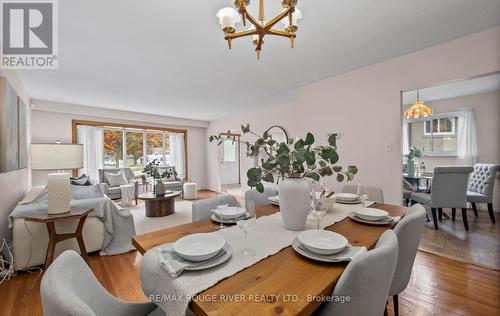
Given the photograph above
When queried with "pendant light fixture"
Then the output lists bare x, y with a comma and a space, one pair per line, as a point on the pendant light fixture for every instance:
418, 109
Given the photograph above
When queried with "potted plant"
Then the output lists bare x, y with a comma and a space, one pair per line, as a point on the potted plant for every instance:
288, 164
414, 152
152, 169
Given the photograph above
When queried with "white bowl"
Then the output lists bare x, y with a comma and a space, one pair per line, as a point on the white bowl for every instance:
231, 212
346, 196
199, 247
222, 206
371, 214
323, 242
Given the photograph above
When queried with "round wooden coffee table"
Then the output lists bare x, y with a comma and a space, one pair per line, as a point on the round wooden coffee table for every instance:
159, 205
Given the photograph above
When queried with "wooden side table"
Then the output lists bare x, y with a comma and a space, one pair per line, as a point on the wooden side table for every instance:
79, 214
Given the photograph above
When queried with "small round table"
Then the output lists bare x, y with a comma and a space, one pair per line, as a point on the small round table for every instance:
159, 205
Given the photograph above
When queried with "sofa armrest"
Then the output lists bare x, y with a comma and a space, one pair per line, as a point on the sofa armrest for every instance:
104, 188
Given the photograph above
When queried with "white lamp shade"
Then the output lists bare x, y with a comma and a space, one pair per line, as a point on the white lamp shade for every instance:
296, 15
228, 17
56, 156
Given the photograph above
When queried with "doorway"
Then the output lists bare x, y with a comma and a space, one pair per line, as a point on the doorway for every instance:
229, 160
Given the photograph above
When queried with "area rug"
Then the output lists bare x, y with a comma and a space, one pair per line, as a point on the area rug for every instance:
145, 224
479, 246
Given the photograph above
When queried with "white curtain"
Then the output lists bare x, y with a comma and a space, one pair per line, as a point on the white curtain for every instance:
467, 137
406, 140
177, 158
92, 139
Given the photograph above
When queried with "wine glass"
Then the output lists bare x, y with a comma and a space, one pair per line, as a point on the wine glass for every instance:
246, 223
220, 210
363, 193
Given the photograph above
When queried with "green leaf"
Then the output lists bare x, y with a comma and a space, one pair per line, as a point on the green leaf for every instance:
271, 142
337, 168
268, 177
299, 144
309, 139
310, 157
251, 183
349, 175
254, 174
340, 177
334, 157
313, 175
352, 169
211, 138
332, 140
260, 187
284, 161
266, 135
283, 149
322, 163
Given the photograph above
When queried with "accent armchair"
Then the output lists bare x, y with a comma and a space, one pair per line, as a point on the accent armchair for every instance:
449, 189
480, 188
114, 192
174, 183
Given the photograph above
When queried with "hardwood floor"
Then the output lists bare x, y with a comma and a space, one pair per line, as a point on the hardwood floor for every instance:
438, 286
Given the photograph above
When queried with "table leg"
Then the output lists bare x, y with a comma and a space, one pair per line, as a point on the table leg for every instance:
49, 256
79, 238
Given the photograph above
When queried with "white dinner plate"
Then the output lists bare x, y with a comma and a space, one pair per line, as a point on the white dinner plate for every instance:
323, 242
357, 201
386, 221
215, 262
371, 214
346, 196
199, 247
230, 212
229, 221
300, 248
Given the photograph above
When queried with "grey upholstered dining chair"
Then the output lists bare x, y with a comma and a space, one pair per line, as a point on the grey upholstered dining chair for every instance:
409, 232
70, 288
375, 194
202, 209
366, 280
260, 199
449, 189
480, 188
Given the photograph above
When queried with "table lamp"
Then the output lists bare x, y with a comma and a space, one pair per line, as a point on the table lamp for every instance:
58, 157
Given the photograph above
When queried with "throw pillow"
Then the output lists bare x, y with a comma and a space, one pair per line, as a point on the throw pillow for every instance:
115, 179
81, 180
79, 192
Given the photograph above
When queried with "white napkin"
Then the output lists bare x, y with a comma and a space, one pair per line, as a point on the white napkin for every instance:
175, 265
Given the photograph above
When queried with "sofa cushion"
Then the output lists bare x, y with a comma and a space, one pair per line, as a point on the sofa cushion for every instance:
115, 179
114, 191
80, 192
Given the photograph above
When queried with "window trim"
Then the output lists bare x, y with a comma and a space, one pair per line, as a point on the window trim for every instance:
120, 126
431, 133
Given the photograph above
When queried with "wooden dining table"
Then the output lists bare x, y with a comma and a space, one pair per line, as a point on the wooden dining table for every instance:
283, 284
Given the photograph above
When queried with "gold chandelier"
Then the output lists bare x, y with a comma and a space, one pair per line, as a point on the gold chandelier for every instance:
228, 17
418, 109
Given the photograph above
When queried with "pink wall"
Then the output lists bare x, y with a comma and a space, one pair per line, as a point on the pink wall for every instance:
364, 106
14, 184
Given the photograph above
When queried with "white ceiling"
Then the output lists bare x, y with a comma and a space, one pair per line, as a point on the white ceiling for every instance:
454, 89
169, 57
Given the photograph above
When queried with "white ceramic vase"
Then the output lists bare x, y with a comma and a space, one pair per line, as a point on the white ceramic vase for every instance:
295, 202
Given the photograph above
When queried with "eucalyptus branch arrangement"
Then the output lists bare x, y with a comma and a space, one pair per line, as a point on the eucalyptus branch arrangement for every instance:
294, 159
152, 169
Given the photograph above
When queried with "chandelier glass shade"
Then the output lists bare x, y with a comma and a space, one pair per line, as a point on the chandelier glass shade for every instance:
259, 27
418, 109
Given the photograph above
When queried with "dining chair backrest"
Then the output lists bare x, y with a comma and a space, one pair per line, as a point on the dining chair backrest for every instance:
449, 186
375, 194
482, 179
366, 280
409, 231
202, 209
260, 199
69, 287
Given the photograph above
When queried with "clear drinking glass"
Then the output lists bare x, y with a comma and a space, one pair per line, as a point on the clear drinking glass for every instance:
247, 223
220, 209
363, 193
